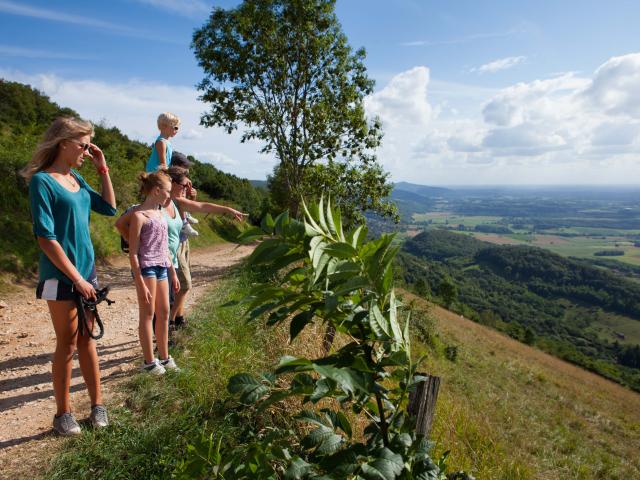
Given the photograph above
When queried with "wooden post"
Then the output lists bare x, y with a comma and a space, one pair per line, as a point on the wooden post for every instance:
422, 403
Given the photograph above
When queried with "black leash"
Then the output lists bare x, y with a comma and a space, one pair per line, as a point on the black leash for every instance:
84, 304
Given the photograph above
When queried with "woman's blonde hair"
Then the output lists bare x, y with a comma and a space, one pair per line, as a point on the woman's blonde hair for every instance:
148, 181
168, 119
62, 128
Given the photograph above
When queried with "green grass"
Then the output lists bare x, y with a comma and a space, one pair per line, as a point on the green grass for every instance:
507, 411
158, 417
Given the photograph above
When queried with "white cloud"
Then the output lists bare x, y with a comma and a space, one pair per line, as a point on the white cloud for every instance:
187, 8
219, 160
85, 21
403, 100
569, 128
11, 51
133, 107
615, 86
459, 40
500, 64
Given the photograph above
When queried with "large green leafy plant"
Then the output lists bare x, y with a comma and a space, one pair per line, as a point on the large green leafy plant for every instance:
320, 273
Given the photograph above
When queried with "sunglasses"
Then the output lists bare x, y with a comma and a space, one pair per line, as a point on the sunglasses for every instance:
85, 146
183, 186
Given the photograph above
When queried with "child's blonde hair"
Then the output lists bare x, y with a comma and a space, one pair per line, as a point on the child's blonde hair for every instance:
62, 128
168, 119
148, 181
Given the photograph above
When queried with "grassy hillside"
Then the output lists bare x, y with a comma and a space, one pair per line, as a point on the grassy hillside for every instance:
506, 411
509, 411
24, 115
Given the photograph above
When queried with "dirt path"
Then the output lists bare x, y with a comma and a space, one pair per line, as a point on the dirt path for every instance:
26, 345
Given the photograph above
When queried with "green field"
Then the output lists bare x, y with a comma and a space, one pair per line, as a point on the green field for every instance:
589, 241
446, 218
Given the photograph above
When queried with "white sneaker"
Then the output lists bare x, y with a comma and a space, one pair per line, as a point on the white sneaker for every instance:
189, 231
190, 219
170, 364
153, 368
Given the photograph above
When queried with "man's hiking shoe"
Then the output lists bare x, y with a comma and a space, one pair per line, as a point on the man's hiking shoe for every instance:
189, 231
66, 424
180, 322
170, 364
153, 368
190, 219
99, 417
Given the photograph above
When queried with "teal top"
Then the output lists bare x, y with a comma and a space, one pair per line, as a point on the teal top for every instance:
175, 225
154, 161
61, 215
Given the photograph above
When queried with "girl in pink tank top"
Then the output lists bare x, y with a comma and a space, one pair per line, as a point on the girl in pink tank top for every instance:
150, 260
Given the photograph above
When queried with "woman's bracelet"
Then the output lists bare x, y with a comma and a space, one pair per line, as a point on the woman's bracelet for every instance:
103, 170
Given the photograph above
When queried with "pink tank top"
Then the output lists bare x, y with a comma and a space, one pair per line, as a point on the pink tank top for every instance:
153, 250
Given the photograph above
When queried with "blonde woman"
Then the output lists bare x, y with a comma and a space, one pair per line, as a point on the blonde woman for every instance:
61, 202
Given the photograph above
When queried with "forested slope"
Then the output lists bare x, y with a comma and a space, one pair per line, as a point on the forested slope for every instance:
565, 306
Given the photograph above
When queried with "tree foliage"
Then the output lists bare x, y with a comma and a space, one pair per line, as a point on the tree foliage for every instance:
284, 73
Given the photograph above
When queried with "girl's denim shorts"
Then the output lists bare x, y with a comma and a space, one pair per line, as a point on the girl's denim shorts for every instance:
160, 273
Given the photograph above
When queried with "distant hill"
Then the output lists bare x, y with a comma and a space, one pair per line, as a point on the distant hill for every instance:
259, 183
423, 190
25, 114
582, 313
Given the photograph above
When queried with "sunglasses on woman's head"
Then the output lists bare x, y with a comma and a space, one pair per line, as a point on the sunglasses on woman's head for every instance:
183, 186
85, 146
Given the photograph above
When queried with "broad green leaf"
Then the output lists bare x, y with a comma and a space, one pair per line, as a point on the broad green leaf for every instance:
347, 379
310, 220
298, 469
330, 221
323, 387
341, 250
250, 235
319, 269
298, 323
355, 236
321, 218
387, 466
248, 387
393, 318
379, 323
267, 224
344, 424
352, 284
281, 222
290, 364
323, 440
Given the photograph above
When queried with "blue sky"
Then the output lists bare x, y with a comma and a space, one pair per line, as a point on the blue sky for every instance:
496, 92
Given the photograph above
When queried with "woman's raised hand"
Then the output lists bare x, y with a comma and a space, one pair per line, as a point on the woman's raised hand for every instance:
97, 156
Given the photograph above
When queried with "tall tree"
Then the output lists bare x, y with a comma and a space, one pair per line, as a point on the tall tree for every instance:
283, 72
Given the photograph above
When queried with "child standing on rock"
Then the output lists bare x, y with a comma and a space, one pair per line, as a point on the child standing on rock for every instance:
151, 262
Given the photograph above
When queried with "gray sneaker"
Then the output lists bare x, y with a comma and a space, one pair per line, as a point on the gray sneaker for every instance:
99, 416
170, 364
66, 424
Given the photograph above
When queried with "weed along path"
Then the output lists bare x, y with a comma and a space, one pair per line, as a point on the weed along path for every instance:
27, 341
